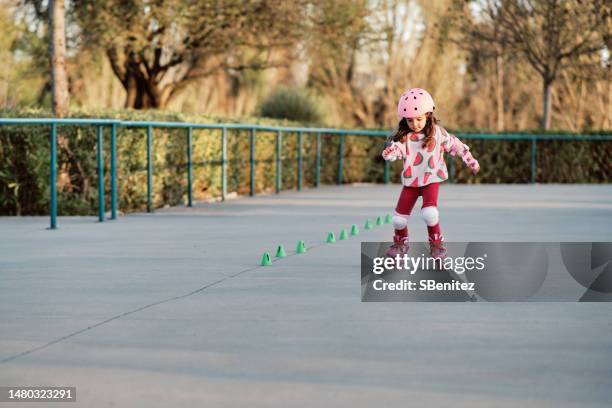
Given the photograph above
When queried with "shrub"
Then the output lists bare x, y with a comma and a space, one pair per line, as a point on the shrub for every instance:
291, 104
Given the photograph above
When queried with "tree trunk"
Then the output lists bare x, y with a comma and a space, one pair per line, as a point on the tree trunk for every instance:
546, 114
500, 92
59, 79
141, 94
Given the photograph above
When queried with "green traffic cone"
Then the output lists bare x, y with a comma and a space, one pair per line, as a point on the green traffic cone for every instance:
280, 252
379, 221
331, 238
265, 261
354, 230
388, 219
301, 247
368, 225
343, 235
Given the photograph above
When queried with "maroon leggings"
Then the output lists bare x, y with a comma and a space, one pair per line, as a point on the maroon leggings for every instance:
406, 203
409, 196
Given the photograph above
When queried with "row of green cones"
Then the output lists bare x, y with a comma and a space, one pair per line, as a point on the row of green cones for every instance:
331, 238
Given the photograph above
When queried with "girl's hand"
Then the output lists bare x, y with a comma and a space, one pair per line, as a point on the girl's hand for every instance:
391, 153
475, 167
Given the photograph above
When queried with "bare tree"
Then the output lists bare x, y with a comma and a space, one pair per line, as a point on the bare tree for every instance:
157, 49
340, 32
552, 35
59, 78
377, 49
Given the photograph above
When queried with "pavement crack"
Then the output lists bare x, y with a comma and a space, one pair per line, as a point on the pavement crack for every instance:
150, 305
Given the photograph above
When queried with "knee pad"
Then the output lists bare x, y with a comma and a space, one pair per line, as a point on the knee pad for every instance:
430, 215
399, 222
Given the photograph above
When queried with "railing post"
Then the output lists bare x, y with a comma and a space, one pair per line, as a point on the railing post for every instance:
340, 158
113, 169
387, 165
253, 138
386, 176
149, 169
189, 168
318, 161
100, 158
300, 159
279, 162
534, 152
223, 163
53, 177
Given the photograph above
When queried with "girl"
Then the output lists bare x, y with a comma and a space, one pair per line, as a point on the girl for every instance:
421, 143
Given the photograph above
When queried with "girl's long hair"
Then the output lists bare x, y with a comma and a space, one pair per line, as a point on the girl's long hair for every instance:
429, 130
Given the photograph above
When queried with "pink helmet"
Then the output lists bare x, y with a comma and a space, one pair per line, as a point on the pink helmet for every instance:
415, 102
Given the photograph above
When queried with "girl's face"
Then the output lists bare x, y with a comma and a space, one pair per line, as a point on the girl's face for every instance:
417, 124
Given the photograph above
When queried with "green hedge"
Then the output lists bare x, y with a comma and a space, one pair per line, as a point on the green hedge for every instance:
24, 162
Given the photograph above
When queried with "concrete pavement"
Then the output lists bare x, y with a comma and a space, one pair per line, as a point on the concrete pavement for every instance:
172, 309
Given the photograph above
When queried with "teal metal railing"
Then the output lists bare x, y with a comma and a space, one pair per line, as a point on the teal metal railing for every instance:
114, 125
